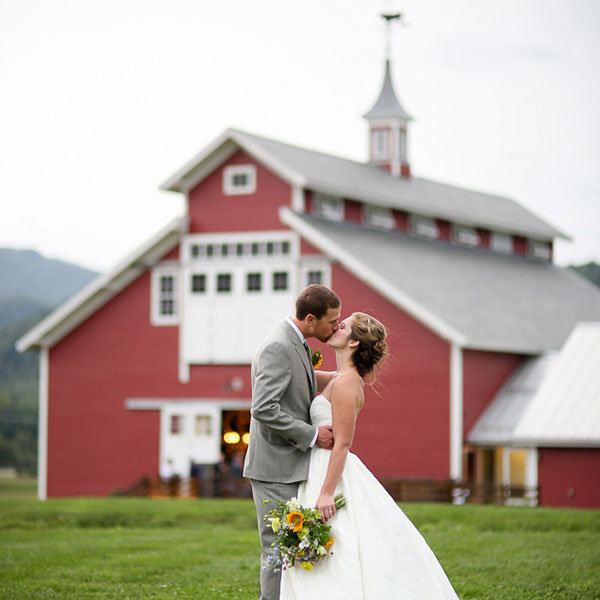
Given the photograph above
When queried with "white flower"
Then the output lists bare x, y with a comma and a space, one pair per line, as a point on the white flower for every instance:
321, 551
293, 504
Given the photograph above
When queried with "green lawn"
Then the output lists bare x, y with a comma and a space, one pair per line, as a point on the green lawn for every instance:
205, 549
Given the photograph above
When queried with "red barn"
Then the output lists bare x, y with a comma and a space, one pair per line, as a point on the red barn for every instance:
147, 368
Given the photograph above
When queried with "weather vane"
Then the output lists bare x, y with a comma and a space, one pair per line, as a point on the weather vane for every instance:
389, 19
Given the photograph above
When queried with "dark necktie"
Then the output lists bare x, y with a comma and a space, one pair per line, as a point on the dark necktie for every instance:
307, 352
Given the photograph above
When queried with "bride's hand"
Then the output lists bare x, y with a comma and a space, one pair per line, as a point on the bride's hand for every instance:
326, 504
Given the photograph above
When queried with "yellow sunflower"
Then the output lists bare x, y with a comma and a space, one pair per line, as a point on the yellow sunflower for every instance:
296, 519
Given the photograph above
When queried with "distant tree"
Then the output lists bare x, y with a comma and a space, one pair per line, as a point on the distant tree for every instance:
590, 271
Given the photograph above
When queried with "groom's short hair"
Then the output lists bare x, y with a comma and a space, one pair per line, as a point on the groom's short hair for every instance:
316, 300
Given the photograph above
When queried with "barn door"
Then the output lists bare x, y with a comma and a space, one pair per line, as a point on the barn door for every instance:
190, 432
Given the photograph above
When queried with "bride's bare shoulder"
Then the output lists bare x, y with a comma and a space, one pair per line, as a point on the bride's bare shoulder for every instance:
347, 388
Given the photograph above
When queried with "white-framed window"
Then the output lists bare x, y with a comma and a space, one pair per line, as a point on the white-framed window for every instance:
217, 248
424, 226
380, 140
501, 242
466, 236
239, 179
403, 144
377, 216
198, 283
164, 295
253, 282
314, 276
538, 249
176, 424
224, 283
280, 281
315, 270
203, 425
328, 207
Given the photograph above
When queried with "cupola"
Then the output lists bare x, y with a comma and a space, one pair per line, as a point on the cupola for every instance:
388, 122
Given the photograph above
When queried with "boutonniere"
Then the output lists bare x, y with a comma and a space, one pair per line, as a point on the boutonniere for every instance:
316, 358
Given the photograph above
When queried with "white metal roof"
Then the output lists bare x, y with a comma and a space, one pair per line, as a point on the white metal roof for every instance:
496, 425
565, 411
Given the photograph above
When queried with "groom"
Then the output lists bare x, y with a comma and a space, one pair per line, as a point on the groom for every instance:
283, 386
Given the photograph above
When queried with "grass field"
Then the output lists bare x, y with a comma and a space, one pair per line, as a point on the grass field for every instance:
204, 549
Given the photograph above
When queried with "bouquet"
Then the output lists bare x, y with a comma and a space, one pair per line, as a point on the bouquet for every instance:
302, 536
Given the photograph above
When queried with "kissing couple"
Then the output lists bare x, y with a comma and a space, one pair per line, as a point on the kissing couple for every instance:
301, 430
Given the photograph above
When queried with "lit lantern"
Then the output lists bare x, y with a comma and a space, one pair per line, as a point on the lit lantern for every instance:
231, 437
246, 438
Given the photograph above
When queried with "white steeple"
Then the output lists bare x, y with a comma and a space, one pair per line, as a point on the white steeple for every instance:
388, 121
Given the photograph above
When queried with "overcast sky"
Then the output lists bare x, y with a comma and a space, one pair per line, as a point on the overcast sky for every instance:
103, 101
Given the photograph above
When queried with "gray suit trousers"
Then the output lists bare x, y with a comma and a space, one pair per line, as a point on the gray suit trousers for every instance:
266, 490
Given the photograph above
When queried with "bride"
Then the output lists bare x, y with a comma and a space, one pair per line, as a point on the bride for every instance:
377, 552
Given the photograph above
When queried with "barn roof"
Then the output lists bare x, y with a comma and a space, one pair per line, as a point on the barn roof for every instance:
387, 105
473, 297
353, 180
566, 408
496, 425
551, 400
98, 292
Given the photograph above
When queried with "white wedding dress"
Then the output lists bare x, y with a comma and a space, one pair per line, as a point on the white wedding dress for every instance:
378, 554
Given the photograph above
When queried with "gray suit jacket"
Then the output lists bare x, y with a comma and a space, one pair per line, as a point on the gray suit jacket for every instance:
283, 385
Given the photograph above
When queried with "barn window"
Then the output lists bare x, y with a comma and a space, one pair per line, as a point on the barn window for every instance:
203, 425
539, 250
377, 216
253, 282
329, 207
176, 424
163, 294
424, 226
280, 280
314, 277
381, 144
198, 283
223, 283
466, 236
501, 242
239, 179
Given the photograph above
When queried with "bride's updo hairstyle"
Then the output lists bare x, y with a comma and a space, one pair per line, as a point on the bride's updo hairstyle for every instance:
372, 348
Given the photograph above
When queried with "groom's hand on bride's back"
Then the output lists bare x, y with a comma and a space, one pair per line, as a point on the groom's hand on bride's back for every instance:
325, 437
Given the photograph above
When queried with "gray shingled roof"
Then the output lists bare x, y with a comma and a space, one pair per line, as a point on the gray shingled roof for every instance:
387, 105
349, 179
497, 302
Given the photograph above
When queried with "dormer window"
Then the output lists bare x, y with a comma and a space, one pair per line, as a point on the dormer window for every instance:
539, 250
466, 236
239, 179
424, 226
501, 242
380, 141
329, 207
377, 216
